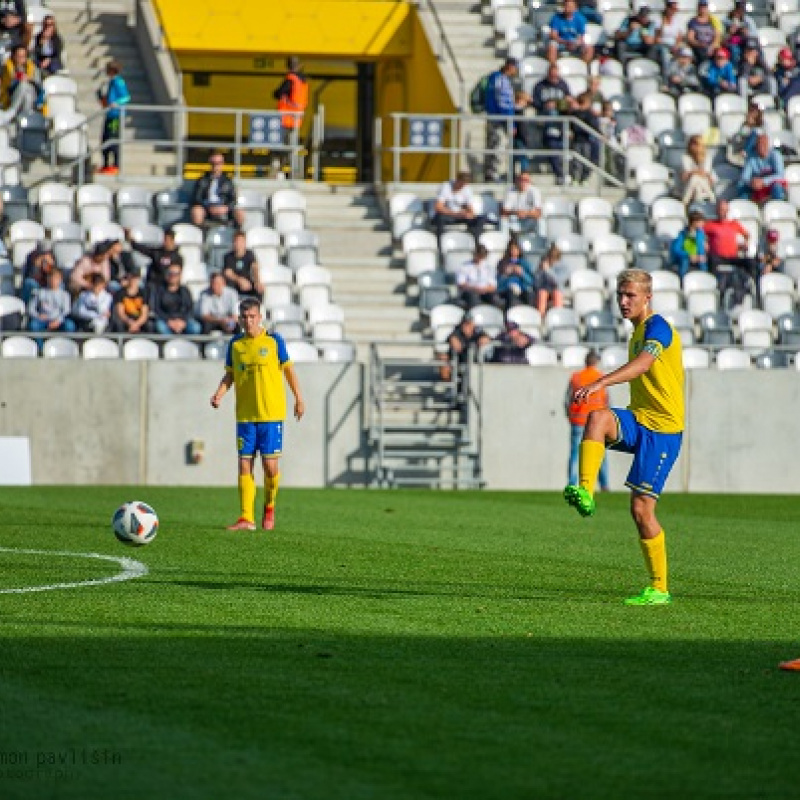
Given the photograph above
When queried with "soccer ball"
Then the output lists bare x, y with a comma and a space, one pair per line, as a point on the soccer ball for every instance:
135, 523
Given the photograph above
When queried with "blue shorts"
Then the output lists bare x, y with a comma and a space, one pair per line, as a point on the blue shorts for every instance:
259, 437
653, 453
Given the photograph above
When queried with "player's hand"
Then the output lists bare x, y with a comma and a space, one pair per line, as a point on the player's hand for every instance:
582, 394
299, 409
215, 400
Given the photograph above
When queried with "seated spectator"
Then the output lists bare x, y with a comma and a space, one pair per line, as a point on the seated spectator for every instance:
753, 77
477, 280
681, 75
728, 245
455, 205
218, 307
697, 175
21, 75
15, 30
240, 269
568, 34
515, 281
172, 306
763, 177
120, 262
584, 142
131, 313
48, 48
636, 36
49, 306
551, 98
462, 342
214, 196
688, 248
740, 31
510, 345
786, 71
38, 265
97, 263
161, 258
522, 206
670, 35
92, 311
743, 143
549, 281
769, 260
719, 76
702, 34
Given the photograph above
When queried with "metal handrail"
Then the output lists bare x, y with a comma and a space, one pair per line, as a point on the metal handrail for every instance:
444, 43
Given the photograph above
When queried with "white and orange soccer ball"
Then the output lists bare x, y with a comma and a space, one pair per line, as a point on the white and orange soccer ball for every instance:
135, 523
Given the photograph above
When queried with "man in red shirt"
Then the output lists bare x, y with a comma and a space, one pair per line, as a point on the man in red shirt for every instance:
727, 243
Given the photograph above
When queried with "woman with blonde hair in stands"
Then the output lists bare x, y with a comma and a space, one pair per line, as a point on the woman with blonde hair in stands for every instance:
697, 175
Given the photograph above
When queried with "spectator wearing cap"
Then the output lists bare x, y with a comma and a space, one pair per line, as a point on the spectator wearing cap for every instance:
681, 73
477, 280
719, 76
500, 107
510, 345
636, 36
753, 77
455, 205
670, 35
568, 34
688, 248
131, 311
769, 260
702, 34
97, 263
763, 176
786, 71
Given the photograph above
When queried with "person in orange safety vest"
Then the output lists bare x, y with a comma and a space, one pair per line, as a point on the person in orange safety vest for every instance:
292, 96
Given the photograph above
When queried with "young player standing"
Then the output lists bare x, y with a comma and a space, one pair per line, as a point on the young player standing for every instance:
651, 428
255, 366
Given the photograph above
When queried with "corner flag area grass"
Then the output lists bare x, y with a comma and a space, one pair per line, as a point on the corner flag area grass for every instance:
397, 646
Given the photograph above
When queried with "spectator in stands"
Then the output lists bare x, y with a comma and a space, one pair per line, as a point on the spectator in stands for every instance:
161, 258
702, 35
568, 34
510, 345
681, 74
461, 343
49, 306
48, 48
120, 262
549, 281
786, 70
218, 307
515, 281
80, 278
500, 106
585, 137
112, 95
455, 205
697, 175
131, 312
92, 311
763, 177
20, 75
292, 96
719, 76
15, 30
38, 265
636, 36
551, 97
477, 280
769, 260
522, 207
753, 77
240, 269
172, 306
214, 197
743, 143
740, 30
688, 248
670, 35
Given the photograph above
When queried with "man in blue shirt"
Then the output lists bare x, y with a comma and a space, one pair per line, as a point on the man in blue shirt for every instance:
499, 104
636, 35
111, 96
720, 76
568, 34
763, 177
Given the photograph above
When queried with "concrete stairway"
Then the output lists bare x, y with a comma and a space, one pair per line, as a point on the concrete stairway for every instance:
368, 282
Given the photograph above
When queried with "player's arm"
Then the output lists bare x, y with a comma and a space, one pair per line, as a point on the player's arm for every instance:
294, 385
626, 373
222, 389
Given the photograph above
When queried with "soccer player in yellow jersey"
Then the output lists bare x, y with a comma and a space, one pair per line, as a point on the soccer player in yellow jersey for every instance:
255, 365
651, 428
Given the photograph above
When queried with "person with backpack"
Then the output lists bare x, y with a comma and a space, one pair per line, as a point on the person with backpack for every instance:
499, 106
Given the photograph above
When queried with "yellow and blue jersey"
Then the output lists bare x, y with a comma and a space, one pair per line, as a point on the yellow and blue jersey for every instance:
257, 365
657, 396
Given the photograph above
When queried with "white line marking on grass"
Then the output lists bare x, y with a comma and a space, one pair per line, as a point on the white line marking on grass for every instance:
130, 569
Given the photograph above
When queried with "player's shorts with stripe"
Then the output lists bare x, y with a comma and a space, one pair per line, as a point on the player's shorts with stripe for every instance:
654, 454
259, 437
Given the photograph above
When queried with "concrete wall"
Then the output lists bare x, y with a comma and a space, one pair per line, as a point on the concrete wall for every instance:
117, 422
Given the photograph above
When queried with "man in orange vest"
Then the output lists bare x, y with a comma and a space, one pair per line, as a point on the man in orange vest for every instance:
578, 413
292, 96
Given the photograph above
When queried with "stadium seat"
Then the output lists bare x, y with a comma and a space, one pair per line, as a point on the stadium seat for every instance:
601, 328
560, 216
68, 246
789, 329
103, 231
700, 291
61, 93
16, 205
443, 319
596, 217
458, 248
648, 253
33, 135
432, 296
495, 243
23, 236
528, 318
772, 40
100, 348
218, 242
327, 331
659, 112
140, 350
562, 326
631, 216
490, 318
181, 349
149, 235
326, 312
302, 352
772, 359
289, 330
653, 181
574, 251
669, 217
189, 239
406, 213
716, 328
574, 356
288, 313
314, 286
540, 355
95, 204
10, 166
733, 358
254, 205
56, 203
613, 357
277, 283
59, 347
134, 206
338, 352
215, 350
730, 110
70, 135
696, 358
789, 251
288, 210
755, 329
8, 276
302, 249
626, 110
777, 294
588, 291
781, 216
266, 246
696, 113
19, 347
533, 67
422, 252
172, 206
667, 292
533, 245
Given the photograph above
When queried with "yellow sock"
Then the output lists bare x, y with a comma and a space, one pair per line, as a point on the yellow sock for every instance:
655, 557
247, 497
590, 458
271, 488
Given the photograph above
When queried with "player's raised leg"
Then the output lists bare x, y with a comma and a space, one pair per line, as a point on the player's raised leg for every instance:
654, 550
601, 427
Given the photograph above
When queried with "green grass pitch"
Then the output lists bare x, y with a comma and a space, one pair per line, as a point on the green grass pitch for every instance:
398, 646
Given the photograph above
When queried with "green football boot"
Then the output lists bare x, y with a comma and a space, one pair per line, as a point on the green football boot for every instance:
579, 498
650, 597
